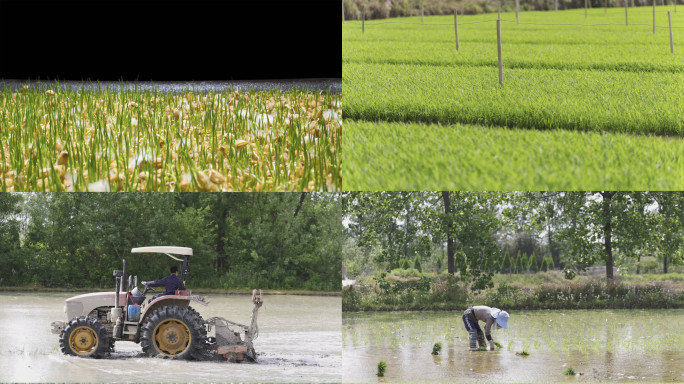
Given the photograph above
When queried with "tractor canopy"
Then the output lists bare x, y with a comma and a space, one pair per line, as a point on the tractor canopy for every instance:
168, 251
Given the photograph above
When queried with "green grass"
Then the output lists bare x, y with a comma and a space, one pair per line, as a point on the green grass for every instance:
584, 108
104, 140
397, 156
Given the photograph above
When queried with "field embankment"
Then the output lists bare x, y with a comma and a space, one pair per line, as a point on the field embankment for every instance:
536, 291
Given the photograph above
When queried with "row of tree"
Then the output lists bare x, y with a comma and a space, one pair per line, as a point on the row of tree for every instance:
374, 9
240, 240
479, 231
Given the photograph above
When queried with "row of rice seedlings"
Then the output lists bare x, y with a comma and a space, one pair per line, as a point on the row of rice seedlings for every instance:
643, 103
539, 55
477, 158
545, 27
102, 140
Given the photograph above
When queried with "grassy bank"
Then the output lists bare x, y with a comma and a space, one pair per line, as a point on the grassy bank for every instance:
528, 291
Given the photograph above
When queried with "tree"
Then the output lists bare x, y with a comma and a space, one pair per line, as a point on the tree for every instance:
532, 265
593, 224
409, 223
506, 263
670, 226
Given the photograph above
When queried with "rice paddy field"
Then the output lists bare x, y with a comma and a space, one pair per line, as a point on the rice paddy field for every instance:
599, 345
586, 102
62, 139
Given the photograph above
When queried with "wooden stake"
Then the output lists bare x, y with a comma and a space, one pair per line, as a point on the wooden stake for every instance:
363, 22
422, 11
499, 18
669, 21
517, 9
626, 17
585, 8
498, 43
556, 3
605, 5
456, 27
654, 7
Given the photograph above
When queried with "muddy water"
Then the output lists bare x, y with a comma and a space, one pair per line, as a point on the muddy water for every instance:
299, 340
605, 346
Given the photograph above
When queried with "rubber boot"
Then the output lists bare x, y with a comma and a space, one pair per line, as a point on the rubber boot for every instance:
473, 340
481, 340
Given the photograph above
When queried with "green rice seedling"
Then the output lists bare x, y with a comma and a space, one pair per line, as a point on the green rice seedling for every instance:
498, 345
382, 366
477, 157
569, 372
481, 349
522, 353
558, 75
629, 102
436, 348
104, 140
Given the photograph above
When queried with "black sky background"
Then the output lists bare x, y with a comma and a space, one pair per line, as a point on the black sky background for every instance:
170, 40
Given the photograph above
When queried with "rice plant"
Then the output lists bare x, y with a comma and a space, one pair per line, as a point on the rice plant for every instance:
399, 156
103, 140
563, 78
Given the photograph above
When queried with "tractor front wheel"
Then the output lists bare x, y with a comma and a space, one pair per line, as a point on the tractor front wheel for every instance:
174, 332
84, 337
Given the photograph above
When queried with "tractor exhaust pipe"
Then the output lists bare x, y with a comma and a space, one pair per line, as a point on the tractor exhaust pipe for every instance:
116, 312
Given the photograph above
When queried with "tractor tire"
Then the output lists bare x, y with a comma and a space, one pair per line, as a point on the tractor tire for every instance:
174, 332
84, 337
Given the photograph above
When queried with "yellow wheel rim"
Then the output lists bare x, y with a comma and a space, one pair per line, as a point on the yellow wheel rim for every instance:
83, 341
172, 337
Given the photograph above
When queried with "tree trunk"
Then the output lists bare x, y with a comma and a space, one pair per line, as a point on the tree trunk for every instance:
668, 241
220, 264
449, 229
301, 201
638, 263
608, 232
406, 230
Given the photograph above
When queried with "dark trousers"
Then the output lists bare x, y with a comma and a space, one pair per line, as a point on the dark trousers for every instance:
471, 325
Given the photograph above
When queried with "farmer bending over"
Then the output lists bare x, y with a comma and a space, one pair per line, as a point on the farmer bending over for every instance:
493, 318
170, 282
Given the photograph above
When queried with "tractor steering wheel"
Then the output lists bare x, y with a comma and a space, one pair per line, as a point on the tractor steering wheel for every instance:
148, 289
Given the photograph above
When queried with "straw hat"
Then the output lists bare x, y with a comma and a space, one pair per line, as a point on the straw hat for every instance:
501, 317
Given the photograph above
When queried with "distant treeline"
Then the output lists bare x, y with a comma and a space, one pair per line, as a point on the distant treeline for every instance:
240, 240
379, 9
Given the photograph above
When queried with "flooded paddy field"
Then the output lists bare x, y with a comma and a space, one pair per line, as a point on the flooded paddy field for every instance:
299, 340
600, 345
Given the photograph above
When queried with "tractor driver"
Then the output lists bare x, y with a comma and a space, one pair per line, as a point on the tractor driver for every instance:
171, 282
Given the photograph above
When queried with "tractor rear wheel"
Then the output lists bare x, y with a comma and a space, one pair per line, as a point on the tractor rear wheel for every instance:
84, 337
174, 332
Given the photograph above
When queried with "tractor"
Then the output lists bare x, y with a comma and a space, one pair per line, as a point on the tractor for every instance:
164, 325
